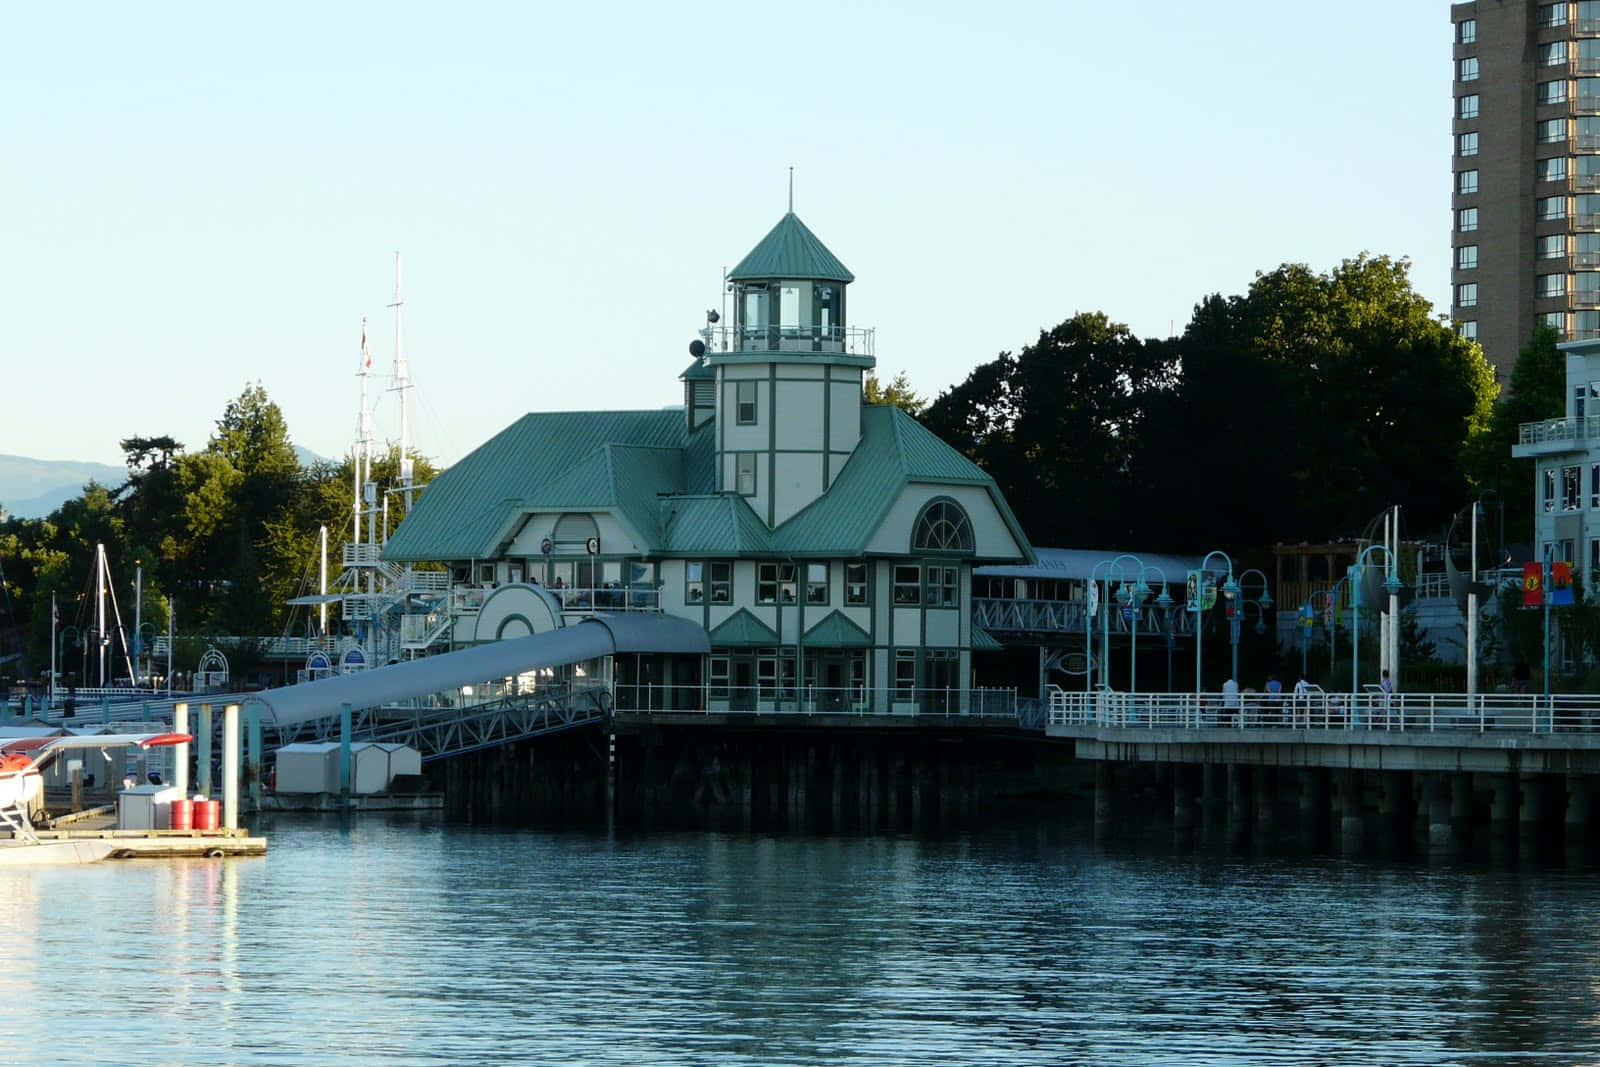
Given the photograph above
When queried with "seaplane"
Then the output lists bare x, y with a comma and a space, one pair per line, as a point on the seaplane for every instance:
22, 761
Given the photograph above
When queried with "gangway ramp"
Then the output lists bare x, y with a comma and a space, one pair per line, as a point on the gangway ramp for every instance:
312, 710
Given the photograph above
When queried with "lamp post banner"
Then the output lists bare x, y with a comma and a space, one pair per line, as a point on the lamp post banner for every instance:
1561, 584
1533, 585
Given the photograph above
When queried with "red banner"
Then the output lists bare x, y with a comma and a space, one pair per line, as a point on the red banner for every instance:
1560, 584
1532, 585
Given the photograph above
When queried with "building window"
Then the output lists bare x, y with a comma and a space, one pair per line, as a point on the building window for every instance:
746, 392
745, 473
1557, 321
1553, 54
1551, 285
694, 586
1468, 329
1588, 54
1467, 144
905, 672
1467, 219
1467, 69
855, 584
717, 676
1467, 31
1588, 15
1550, 131
774, 583
1552, 207
1467, 257
1553, 169
942, 527
1587, 285
1552, 14
1579, 394
816, 583
941, 669
1467, 182
1467, 106
1467, 295
1551, 92
944, 587
1594, 491
1551, 246
1549, 495
1571, 488
721, 582
907, 584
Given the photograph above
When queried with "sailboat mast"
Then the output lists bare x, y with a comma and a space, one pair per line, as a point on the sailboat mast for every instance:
100, 606
402, 385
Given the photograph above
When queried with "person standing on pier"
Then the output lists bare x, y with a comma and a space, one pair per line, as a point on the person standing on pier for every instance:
1230, 701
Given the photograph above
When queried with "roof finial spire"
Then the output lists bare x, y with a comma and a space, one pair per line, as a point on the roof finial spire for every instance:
791, 190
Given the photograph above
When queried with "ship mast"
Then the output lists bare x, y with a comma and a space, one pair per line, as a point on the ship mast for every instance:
402, 385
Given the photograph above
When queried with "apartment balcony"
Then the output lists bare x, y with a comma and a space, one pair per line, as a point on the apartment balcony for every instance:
1586, 27
1586, 104
1586, 259
1586, 298
1586, 183
1556, 436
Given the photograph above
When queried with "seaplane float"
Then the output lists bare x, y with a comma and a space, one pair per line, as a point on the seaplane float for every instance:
22, 761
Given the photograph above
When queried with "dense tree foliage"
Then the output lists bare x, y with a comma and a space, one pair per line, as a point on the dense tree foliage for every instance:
1538, 387
1293, 412
898, 392
226, 535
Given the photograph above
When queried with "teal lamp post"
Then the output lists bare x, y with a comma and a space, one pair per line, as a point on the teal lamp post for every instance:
1132, 597
1093, 605
1197, 582
1353, 575
1238, 601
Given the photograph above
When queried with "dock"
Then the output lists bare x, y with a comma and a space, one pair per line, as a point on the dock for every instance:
166, 844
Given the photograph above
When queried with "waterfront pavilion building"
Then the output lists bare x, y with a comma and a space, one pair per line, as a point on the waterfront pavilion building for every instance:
1566, 455
824, 544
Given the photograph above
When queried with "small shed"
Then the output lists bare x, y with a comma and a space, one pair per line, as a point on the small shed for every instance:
313, 767
307, 767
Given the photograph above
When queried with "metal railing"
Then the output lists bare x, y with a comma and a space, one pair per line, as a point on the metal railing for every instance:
859, 701
1004, 615
1319, 711
849, 340
1558, 431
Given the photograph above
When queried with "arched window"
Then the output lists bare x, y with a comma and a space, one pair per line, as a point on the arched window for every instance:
942, 527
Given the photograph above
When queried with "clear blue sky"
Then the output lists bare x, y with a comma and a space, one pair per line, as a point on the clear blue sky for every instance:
198, 196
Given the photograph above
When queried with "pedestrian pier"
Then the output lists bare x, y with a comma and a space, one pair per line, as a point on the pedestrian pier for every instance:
1443, 768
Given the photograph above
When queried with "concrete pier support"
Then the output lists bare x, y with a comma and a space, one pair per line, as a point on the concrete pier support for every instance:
1183, 798
1104, 784
1441, 835
1503, 803
1315, 785
1352, 829
1266, 804
1211, 784
1238, 777
1579, 800
1461, 806
1531, 810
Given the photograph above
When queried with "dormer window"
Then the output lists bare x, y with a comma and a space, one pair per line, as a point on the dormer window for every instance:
942, 527
747, 403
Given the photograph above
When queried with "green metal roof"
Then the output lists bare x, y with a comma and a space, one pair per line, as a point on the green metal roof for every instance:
984, 641
789, 250
743, 630
698, 371
836, 631
658, 479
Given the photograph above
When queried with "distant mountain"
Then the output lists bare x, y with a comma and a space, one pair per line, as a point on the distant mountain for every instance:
33, 488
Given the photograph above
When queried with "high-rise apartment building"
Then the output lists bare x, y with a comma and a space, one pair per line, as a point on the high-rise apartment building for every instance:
1525, 223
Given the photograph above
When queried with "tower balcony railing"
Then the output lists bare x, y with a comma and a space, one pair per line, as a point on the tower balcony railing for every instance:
1586, 182
1587, 140
1558, 431
1586, 259
1587, 220
1587, 65
846, 340
1586, 298
1587, 26
1586, 102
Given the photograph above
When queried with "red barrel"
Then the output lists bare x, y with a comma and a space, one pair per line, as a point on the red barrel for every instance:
207, 814
183, 814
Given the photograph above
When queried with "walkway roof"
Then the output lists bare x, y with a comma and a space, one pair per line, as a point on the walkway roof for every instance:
599, 635
1078, 564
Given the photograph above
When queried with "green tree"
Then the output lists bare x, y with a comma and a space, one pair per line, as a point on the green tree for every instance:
898, 392
1058, 424
1538, 388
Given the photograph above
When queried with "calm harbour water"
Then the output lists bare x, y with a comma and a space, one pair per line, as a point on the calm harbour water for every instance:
416, 942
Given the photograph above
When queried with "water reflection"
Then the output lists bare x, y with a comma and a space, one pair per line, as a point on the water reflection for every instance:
405, 941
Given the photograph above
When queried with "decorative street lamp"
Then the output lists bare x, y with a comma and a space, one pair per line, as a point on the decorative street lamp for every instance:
1197, 584
1238, 601
1354, 576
